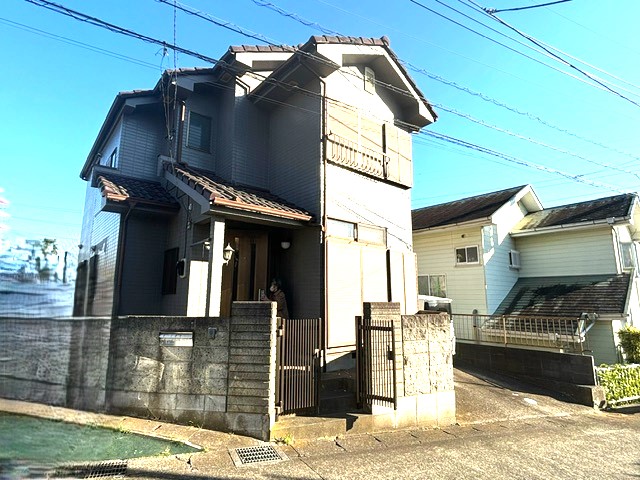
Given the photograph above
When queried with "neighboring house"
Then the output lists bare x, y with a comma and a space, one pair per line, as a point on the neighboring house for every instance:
464, 248
278, 162
558, 262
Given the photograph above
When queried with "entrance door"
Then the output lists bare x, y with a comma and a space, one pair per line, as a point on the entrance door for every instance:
246, 273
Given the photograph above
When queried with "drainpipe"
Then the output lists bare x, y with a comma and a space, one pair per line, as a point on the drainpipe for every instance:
182, 112
323, 148
124, 222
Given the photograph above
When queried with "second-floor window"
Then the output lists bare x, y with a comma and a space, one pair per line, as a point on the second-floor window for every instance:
199, 132
113, 159
467, 255
628, 255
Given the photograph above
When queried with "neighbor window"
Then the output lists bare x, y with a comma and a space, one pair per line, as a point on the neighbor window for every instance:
372, 234
199, 133
627, 254
514, 259
466, 255
434, 285
338, 228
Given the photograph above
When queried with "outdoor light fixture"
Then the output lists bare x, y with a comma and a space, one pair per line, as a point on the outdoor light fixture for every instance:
285, 245
227, 253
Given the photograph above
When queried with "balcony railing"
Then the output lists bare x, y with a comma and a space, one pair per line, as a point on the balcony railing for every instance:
558, 333
349, 154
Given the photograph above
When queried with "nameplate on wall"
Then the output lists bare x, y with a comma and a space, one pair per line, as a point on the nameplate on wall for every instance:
176, 339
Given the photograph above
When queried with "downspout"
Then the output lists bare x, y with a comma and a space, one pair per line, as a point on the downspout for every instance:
182, 112
323, 153
124, 222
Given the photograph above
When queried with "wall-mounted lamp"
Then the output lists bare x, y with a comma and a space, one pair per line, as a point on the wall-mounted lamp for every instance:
227, 253
285, 245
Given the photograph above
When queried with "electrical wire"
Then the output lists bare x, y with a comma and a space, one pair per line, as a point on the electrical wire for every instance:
515, 9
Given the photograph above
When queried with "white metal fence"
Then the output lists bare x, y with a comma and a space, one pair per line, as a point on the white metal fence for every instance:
566, 333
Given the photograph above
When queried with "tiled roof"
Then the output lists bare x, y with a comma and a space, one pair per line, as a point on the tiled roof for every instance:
261, 48
119, 188
460, 211
601, 209
567, 296
225, 194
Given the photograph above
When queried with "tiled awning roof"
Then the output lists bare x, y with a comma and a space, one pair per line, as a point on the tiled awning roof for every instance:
568, 296
222, 193
118, 188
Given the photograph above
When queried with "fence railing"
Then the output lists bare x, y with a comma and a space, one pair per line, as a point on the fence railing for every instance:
568, 333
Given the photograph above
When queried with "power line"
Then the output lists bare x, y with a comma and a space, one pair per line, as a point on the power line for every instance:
558, 57
298, 18
97, 22
514, 9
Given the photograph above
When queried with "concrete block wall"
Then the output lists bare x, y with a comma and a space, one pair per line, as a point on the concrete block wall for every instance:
60, 362
252, 368
424, 369
224, 381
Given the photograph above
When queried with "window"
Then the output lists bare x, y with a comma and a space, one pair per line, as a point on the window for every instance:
199, 133
467, 255
170, 271
627, 254
372, 234
514, 259
113, 159
369, 80
434, 285
338, 228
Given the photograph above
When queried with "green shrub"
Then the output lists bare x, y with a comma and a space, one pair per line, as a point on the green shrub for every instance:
621, 383
630, 343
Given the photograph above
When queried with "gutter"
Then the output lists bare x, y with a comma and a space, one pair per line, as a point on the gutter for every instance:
572, 226
470, 223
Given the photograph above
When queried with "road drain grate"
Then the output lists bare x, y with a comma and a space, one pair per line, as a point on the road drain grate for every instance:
252, 455
93, 470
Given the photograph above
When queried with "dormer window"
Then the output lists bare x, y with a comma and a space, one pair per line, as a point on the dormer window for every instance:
369, 80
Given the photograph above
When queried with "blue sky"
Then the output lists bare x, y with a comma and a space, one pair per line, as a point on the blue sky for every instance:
557, 131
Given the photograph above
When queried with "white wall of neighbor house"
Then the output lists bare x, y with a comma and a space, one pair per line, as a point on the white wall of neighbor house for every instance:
603, 341
435, 251
500, 276
573, 252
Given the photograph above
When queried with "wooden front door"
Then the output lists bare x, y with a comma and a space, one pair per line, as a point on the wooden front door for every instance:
246, 272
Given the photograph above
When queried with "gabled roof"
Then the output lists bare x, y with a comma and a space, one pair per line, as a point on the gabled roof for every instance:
602, 210
118, 188
314, 62
221, 193
465, 210
568, 296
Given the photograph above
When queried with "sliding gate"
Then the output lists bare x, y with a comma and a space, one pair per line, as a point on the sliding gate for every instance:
298, 359
376, 363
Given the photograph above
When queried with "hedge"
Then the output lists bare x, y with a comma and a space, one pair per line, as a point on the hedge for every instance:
630, 343
621, 383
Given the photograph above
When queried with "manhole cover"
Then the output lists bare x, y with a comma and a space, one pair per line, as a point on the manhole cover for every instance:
253, 455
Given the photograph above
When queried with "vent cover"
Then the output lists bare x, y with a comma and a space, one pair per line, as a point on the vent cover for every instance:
252, 455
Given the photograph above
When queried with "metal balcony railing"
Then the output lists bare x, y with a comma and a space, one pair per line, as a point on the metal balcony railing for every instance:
566, 333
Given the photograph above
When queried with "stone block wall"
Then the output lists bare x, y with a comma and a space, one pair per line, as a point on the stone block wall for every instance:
424, 369
225, 380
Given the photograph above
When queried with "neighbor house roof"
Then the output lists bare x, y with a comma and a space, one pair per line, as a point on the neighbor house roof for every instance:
602, 210
222, 193
461, 211
568, 296
119, 188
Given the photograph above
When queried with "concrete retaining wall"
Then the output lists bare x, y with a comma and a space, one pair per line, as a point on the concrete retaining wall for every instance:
225, 380
569, 374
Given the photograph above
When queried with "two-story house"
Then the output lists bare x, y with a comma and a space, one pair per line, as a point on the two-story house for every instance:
502, 254
287, 162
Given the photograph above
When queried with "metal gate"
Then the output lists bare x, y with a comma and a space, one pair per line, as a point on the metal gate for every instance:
298, 359
376, 363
